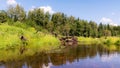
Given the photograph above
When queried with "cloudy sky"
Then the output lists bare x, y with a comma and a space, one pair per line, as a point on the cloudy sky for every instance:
106, 11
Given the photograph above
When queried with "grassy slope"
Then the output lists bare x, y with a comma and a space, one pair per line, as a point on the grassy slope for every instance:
10, 42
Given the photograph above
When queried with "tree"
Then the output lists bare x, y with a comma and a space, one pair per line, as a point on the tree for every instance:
3, 16
71, 20
86, 28
60, 21
93, 29
57, 19
107, 33
77, 27
66, 29
46, 19
16, 13
116, 30
39, 16
50, 26
100, 30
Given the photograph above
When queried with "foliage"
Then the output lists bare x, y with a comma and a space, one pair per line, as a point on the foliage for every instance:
99, 41
117, 43
89, 41
10, 38
16, 13
3, 16
107, 42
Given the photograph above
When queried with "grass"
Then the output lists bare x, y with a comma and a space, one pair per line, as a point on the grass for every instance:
88, 41
101, 41
110, 43
10, 42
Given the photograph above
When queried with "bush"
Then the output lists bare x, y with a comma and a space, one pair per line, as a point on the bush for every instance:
117, 42
21, 25
108, 42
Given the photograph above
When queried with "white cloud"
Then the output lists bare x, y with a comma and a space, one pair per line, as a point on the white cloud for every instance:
109, 21
47, 9
33, 7
11, 2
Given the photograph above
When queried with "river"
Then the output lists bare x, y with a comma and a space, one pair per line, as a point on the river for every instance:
70, 57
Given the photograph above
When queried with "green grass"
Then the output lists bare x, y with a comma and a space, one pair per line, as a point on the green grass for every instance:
110, 43
88, 41
10, 42
101, 41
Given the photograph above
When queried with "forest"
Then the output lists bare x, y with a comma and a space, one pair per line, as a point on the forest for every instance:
56, 23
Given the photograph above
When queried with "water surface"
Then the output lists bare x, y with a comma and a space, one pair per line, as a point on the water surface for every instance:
70, 57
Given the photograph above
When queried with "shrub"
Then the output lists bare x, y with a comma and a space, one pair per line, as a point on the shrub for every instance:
117, 42
108, 42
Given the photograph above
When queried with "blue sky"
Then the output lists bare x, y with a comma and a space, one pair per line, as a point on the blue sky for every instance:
106, 11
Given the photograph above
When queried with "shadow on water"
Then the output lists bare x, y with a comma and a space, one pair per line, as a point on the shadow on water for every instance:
61, 59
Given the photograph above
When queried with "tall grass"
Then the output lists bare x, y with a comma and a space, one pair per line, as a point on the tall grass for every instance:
110, 43
88, 41
102, 41
10, 42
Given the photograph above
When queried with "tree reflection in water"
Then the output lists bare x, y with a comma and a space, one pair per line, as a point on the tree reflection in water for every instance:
66, 55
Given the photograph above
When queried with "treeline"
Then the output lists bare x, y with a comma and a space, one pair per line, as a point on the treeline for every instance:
57, 23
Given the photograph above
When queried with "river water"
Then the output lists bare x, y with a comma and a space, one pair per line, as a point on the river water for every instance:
70, 57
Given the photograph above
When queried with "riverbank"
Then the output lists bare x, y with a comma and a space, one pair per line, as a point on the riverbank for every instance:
99, 41
13, 47
110, 43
